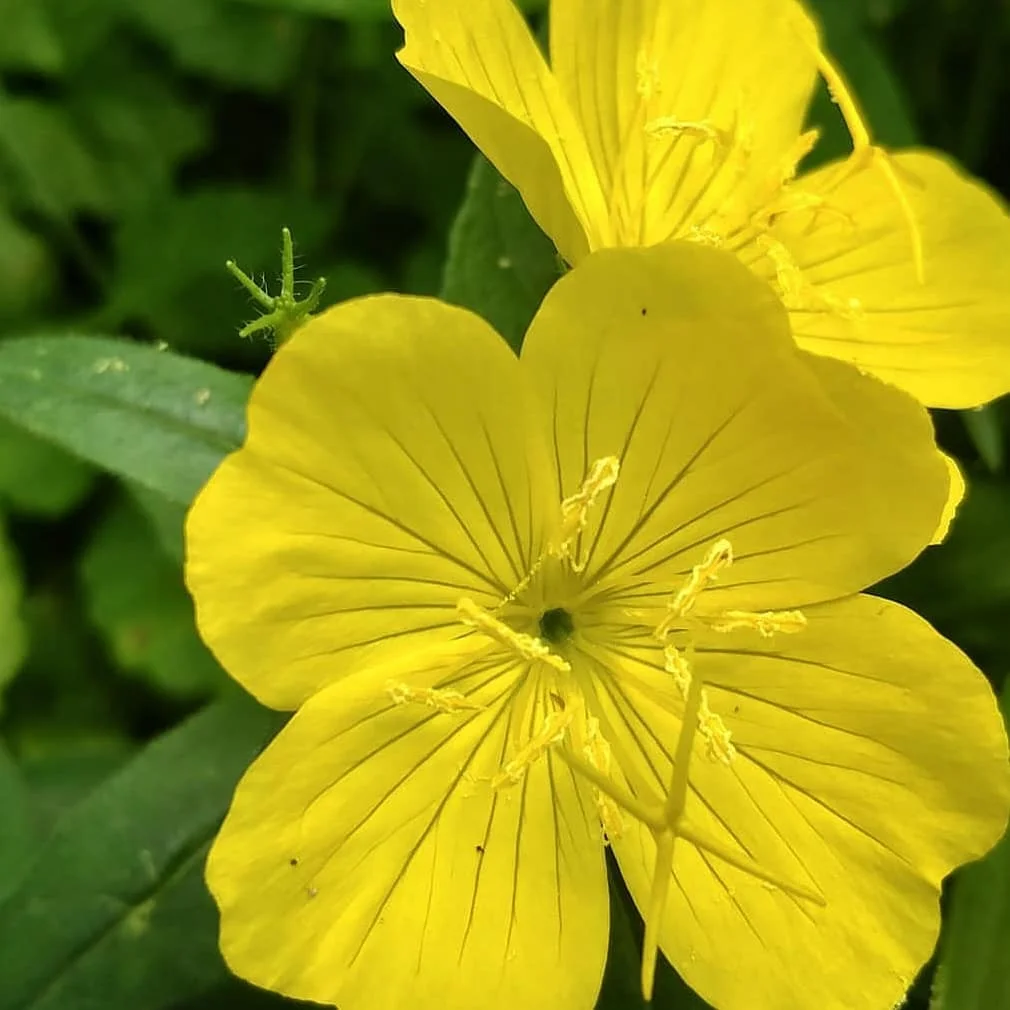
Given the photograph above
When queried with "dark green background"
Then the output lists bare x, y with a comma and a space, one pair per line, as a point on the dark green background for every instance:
144, 142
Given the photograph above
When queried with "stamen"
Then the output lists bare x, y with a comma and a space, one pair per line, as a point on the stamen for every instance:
864, 149
552, 731
805, 143
718, 744
646, 75
798, 292
524, 646
788, 275
720, 556
597, 752
766, 623
702, 129
575, 509
433, 697
676, 663
704, 236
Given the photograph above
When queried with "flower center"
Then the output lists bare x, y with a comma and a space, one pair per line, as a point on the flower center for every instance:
556, 625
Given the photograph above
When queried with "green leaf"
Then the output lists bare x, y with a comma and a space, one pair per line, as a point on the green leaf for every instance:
972, 973
27, 269
46, 160
13, 637
17, 839
500, 263
137, 124
113, 914
985, 428
963, 586
136, 597
157, 418
355, 10
29, 40
223, 40
38, 477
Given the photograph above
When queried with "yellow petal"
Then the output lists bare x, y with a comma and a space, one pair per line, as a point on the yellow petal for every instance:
390, 469
480, 62
958, 489
871, 406
685, 105
945, 340
676, 362
367, 862
870, 760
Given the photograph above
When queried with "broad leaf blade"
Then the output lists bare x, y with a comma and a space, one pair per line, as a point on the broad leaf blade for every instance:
112, 915
161, 420
500, 264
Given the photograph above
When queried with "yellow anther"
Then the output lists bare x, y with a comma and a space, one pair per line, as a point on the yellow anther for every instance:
646, 75
718, 743
792, 284
720, 556
710, 726
575, 509
766, 623
597, 752
433, 697
798, 292
524, 646
552, 731
676, 663
704, 236
701, 129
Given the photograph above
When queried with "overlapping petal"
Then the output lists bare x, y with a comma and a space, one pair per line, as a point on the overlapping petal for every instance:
943, 337
871, 760
367, 862
738, 73
393, 465
480, 62
678, 363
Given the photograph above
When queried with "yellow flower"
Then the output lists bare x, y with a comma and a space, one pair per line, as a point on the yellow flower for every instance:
682, 119
604, 591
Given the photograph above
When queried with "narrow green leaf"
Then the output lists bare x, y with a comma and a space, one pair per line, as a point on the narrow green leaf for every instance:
13, 636
112, 915
17, 839
985, 429
972, 973
500, 264
154, 417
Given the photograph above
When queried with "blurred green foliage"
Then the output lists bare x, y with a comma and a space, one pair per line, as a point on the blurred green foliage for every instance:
143, 143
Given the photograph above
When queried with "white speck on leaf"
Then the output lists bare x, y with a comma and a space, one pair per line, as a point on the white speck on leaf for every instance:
103, 365
504, 262
201, 396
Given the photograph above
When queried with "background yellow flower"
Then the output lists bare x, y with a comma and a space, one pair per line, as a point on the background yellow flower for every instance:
660, 120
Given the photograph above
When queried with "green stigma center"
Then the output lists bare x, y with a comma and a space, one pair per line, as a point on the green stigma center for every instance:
556, 625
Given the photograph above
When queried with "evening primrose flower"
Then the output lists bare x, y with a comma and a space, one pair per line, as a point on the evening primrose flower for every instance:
606, 592
683, 119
